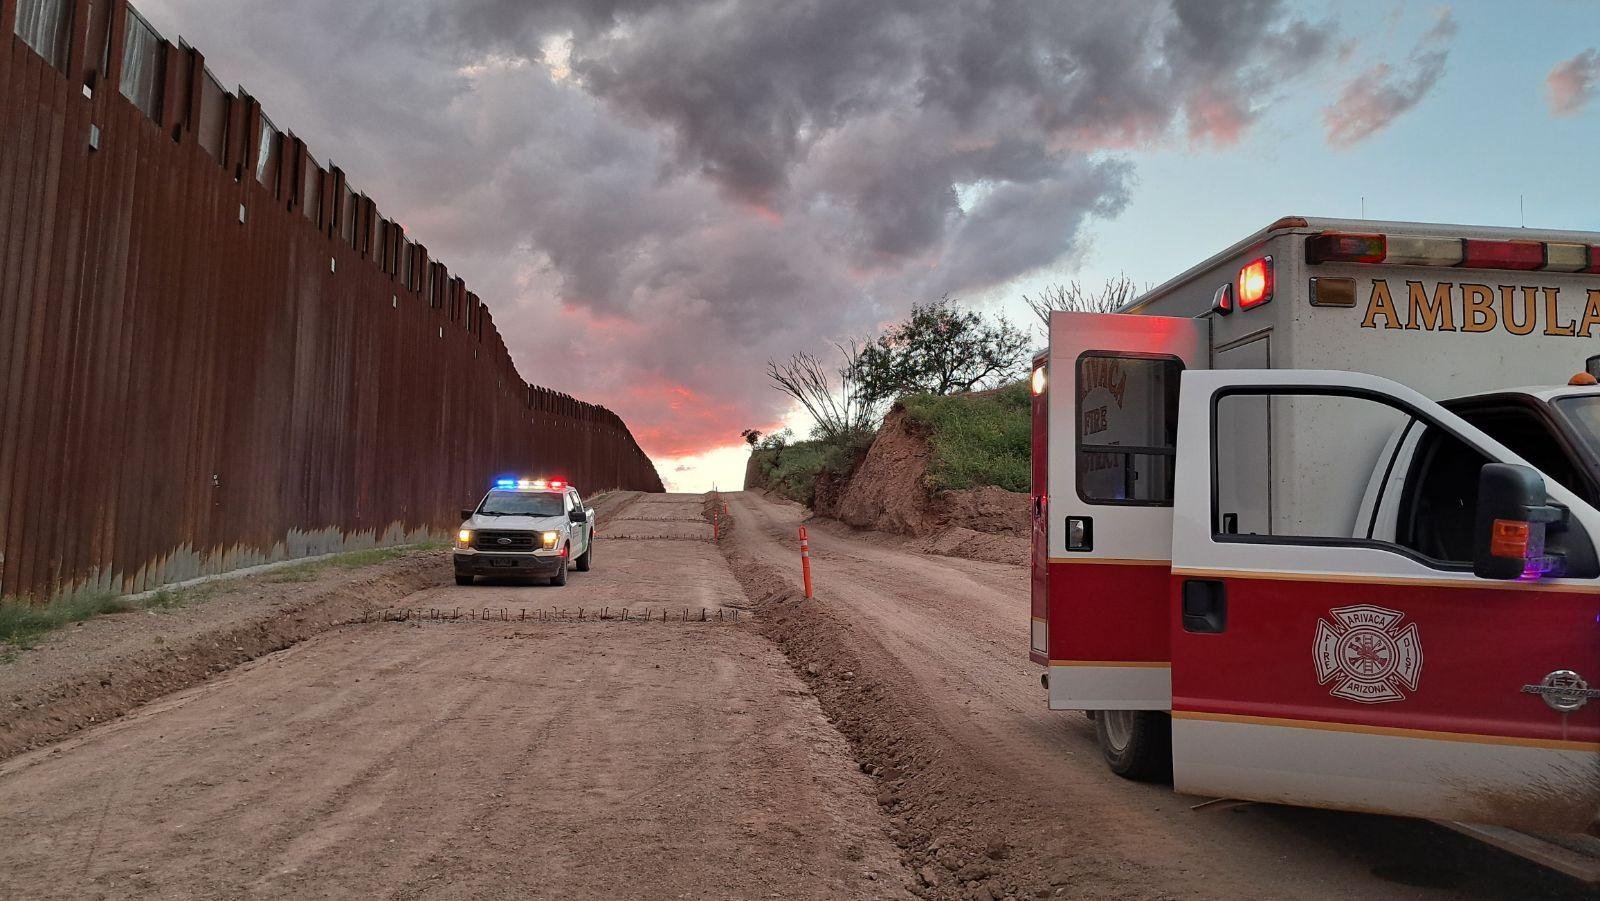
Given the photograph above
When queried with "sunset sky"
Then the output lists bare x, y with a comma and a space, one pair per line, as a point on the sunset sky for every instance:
657, 196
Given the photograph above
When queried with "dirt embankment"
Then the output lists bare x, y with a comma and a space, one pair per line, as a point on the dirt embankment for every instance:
890, 490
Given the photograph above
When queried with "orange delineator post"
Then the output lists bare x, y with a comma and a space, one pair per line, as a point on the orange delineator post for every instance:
805, 560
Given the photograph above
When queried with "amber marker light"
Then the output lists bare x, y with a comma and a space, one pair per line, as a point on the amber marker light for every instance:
1509, 538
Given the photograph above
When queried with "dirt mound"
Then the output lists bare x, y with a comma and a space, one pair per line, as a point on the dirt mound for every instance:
941, 804
890, 492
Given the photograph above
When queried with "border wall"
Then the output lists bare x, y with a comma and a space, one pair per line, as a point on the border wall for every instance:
215, 352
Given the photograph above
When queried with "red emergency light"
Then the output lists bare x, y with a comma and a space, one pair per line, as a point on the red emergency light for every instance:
1255, 283
1502, 254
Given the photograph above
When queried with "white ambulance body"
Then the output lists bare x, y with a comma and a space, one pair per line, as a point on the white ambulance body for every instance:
1293, 517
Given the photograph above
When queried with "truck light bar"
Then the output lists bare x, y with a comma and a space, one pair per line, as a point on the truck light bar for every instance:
531, 484
1467, 253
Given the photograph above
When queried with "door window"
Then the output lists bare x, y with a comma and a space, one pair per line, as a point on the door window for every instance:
1127, 410
1341, 453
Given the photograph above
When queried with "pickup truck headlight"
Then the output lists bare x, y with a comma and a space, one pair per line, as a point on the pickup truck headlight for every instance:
550, 539
464, 538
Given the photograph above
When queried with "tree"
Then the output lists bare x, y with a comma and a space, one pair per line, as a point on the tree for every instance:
840, 415
751, 437
1117, 293
941, 349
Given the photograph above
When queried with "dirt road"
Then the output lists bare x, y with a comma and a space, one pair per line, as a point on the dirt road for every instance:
998, 790
593, 759
902, 746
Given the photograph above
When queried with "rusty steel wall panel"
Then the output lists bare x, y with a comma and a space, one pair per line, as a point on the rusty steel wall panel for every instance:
182, 393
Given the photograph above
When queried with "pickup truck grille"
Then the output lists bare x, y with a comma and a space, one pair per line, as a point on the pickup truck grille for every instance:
506, 541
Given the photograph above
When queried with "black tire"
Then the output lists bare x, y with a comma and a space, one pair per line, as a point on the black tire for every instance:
463, 580
560, 578
1137, 744
583, 563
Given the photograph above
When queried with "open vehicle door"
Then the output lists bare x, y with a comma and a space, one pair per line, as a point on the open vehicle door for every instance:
1435, 660
1112, 401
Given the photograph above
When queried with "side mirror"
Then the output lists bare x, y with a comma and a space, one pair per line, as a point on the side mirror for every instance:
467, 514
1509, 540
578, 515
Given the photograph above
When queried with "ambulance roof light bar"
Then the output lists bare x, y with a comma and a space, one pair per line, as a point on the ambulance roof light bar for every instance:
1466, 253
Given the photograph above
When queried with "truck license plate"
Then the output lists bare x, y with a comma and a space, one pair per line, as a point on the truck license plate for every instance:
503, 562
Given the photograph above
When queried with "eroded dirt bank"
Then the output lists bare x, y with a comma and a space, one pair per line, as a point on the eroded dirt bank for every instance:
469, 759
922, 663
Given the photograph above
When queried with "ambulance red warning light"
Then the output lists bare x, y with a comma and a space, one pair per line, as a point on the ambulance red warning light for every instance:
1255, 283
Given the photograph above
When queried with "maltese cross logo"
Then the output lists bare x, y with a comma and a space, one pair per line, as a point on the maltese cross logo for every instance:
1366, 655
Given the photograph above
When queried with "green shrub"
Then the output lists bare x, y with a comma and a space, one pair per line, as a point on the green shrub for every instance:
977, 439
791, 470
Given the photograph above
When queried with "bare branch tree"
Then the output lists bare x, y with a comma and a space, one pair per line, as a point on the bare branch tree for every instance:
839, 414
1117, 293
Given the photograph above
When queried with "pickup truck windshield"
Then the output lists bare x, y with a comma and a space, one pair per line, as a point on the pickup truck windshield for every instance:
521, 503
1584, 414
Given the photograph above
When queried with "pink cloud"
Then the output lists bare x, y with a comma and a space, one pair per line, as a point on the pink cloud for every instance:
1377, 96
1571, 84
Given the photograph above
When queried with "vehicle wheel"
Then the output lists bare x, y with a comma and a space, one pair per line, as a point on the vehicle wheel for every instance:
463, 580
583, 563
1137, 744
560, 578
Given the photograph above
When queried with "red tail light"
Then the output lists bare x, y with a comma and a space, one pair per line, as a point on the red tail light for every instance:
1255, 283
1337, 248
1503, 254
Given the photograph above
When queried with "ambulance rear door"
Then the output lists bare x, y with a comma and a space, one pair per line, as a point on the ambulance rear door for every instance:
1112, 423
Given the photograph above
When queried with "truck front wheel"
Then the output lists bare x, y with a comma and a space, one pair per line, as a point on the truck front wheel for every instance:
1137, 744
560, 578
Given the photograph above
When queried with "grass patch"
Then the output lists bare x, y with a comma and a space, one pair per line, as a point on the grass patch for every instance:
23, 624
792, 470
978, 439
309, 570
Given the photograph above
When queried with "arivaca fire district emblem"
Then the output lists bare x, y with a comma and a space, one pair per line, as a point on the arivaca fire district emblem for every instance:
1366, 655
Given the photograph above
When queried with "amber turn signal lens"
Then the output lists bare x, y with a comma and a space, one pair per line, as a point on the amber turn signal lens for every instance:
1509, 538
1333, 292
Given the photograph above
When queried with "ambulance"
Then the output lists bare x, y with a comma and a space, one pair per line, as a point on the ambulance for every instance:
1300, 537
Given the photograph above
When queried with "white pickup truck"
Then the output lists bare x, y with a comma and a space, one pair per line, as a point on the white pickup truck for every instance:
525, 528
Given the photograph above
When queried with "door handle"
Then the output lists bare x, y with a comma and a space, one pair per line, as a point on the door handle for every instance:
1205, 606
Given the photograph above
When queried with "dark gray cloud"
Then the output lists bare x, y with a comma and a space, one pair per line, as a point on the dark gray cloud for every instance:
1381, 94
656, 196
